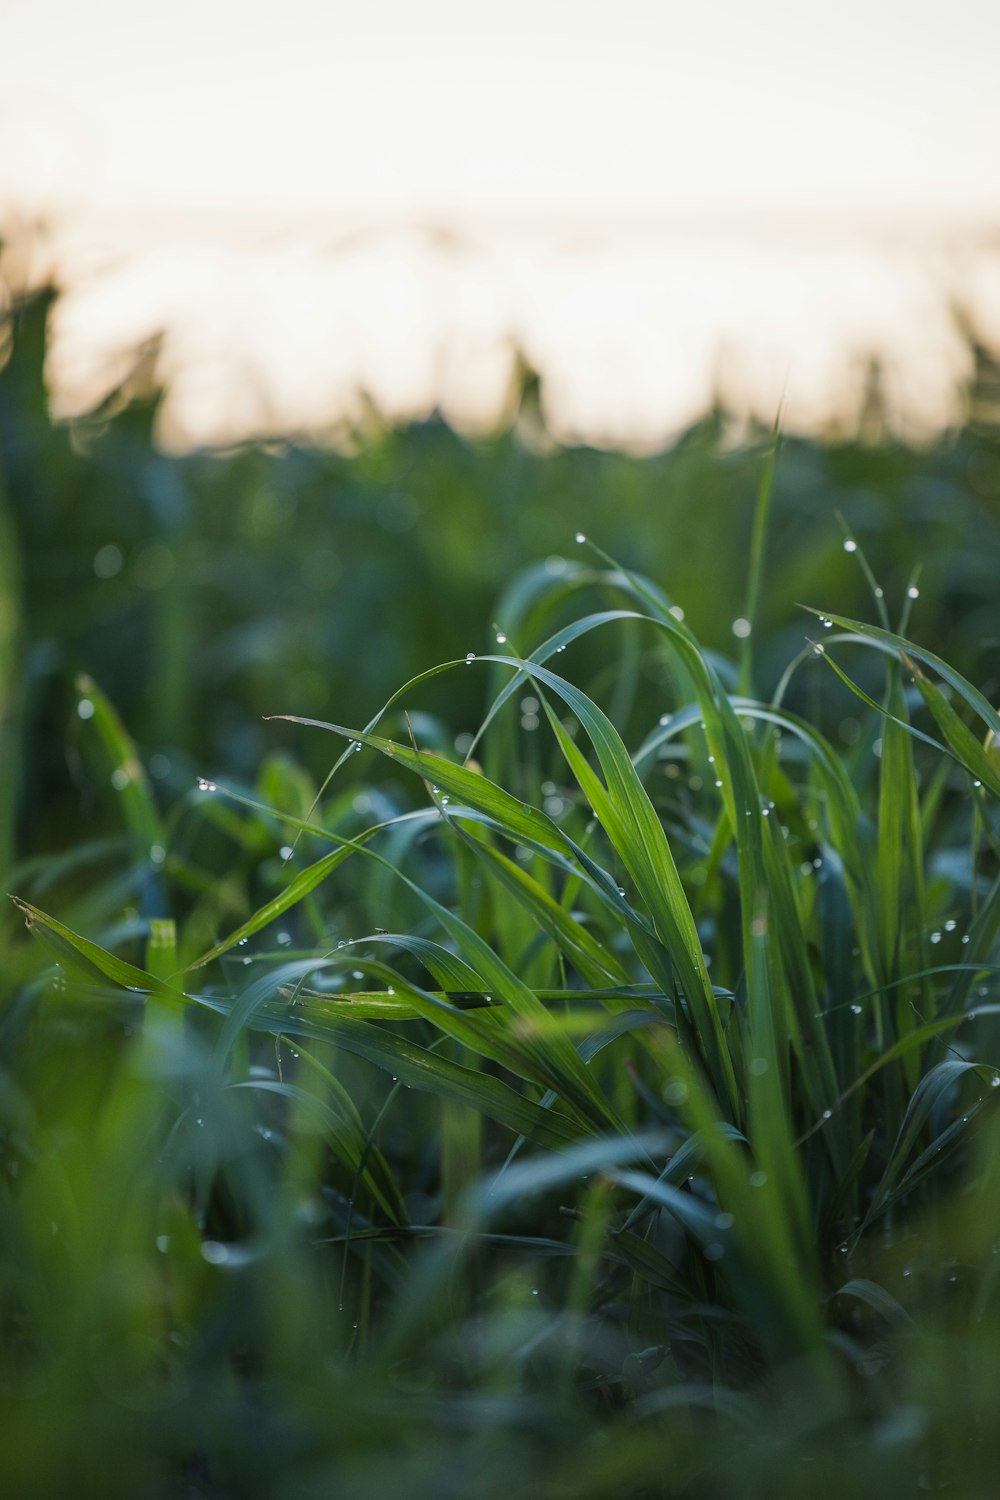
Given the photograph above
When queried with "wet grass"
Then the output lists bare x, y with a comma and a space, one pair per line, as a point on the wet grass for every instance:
603, 1105
579, 1074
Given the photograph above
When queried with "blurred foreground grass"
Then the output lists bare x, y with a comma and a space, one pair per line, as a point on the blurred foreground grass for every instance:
604, 1106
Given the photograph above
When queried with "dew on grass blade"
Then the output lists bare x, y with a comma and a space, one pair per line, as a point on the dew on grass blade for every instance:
850, 545
741, 628
580, 537
108, 561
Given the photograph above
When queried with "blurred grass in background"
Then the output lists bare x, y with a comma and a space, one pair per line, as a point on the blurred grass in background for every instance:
204, 592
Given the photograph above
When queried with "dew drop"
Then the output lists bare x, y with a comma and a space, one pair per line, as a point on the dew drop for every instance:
580, 537
501, 638
856, 1010
850, 545
913, 592
470, 658
85, 709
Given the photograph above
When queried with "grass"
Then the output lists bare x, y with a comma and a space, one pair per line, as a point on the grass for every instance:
605, 1107
204, 592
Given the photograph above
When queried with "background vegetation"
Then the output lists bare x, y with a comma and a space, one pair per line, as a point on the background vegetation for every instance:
604, 1106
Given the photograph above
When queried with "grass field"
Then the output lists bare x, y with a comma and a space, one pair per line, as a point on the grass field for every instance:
573, 1071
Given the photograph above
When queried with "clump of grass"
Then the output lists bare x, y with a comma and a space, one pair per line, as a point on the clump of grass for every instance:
649, 1149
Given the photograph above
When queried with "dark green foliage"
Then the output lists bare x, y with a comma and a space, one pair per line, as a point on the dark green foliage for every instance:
603, 1107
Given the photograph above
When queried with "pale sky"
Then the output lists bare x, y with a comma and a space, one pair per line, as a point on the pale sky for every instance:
452, 106
195, 163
